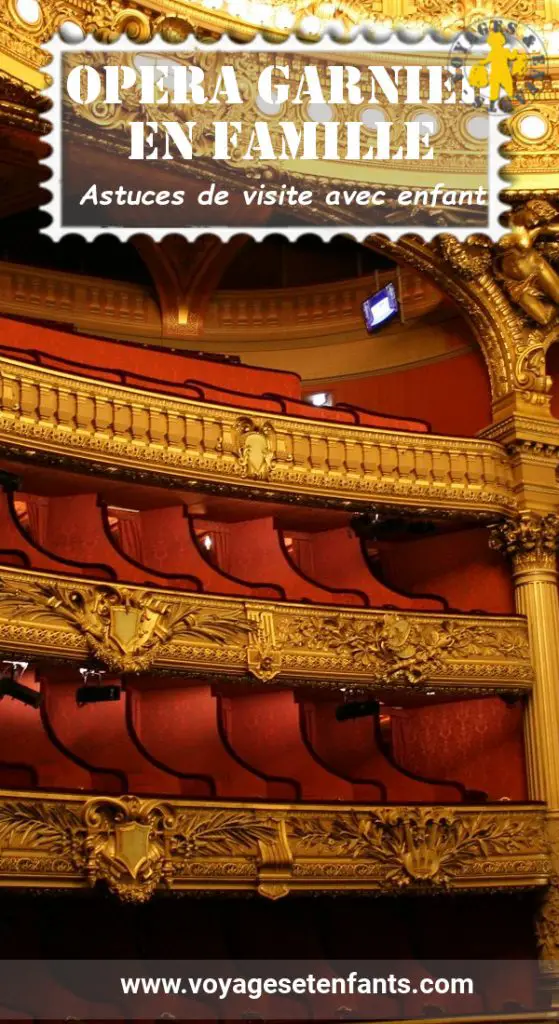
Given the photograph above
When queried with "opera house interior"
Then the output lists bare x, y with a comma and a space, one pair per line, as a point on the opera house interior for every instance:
279, 608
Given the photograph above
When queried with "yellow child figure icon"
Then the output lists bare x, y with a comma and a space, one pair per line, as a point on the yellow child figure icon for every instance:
495, 70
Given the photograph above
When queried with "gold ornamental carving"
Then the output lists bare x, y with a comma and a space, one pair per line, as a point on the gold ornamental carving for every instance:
133, 629
264, 657
126, 844
547, 918
126, 629
530, 539
420, 846
275, 864
525, 260
517, 274
254, 447
174, 20
138, 846
547, 923
398, 650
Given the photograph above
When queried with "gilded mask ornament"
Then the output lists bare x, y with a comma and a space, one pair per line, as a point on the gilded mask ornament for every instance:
256, 455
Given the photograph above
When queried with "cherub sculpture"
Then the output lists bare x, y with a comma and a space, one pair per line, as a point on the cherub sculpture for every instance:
523, 260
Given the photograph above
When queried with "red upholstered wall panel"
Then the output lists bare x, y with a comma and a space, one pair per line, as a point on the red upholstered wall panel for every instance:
98, 734
453, 394
23, 741
255, 553
337, 561
351, 749
478, 742
168, 545
179, 727
458, 566
263, 728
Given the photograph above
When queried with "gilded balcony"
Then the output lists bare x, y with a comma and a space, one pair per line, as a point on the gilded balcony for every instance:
81, 423
135, 629
137, 846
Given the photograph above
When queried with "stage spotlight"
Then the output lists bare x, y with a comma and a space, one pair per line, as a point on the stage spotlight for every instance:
94, 690
357, 709
97, 693
9, 687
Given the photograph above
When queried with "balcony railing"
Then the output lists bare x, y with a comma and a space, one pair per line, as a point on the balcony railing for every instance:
79, 422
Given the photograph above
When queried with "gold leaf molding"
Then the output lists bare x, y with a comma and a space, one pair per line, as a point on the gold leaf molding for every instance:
137, 846
132, 629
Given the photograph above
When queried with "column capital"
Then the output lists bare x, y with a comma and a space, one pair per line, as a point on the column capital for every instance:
530, 539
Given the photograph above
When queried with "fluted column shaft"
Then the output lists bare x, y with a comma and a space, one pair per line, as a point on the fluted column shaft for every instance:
537, 597
530, 541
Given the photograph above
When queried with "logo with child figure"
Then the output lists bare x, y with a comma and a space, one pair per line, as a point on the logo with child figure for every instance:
498, 65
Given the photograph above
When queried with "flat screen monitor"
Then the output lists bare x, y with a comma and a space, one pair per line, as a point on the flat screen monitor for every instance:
380, 307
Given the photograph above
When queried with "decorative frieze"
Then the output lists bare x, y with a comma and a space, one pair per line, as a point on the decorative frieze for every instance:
137, 846
133, 629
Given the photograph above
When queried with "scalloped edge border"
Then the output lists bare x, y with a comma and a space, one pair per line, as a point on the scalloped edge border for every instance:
392, 44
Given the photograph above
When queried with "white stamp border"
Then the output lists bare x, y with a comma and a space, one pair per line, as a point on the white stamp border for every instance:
395, 43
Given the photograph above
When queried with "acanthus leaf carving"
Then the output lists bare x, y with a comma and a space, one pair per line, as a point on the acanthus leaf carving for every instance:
138, 845
415, 846
529, 539
125, 628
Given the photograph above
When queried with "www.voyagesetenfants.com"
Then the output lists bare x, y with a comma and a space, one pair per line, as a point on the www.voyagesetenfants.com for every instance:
258, 987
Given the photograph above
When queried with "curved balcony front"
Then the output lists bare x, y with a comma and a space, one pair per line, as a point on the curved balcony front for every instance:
145, 844
133, 628
244, 449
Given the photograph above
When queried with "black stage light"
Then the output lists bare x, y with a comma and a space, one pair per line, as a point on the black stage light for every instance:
95, 693
24, 694
357, 709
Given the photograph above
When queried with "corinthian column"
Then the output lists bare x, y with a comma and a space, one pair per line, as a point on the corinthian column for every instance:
530, 541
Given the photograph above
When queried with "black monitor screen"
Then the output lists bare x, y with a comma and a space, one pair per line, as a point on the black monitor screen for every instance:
379, 308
